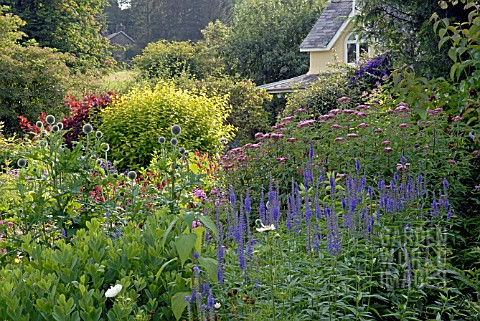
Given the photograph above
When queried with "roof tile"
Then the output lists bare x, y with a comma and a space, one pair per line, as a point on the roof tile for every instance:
330, 21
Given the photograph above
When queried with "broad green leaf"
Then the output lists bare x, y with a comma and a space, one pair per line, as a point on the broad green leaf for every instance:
157, 276
453, 69
170, 227
200, 233
189, 217
207, 221
184, 245
210, 265
179, 303
452, 53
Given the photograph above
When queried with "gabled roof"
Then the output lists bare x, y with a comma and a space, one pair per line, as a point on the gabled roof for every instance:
329, 26
289, 85
116, 34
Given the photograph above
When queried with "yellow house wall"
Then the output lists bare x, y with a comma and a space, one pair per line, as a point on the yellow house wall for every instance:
321, 60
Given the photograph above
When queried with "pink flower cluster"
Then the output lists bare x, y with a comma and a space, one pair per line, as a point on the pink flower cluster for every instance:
435, 111
306, 123
10, 224
344, 100
199, 193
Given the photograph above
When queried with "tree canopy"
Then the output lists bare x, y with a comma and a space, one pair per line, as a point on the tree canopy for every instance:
265, 37
152, 20
32, 79
404, 27
68, 26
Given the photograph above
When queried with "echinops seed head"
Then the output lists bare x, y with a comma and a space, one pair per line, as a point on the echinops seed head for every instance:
22, 162
50, 119
132, 175
87, 128
176, 130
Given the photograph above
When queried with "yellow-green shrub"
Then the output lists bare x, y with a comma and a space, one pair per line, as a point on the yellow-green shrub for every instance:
133, 123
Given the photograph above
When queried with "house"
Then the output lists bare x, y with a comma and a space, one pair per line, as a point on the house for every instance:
330, 40
120, 38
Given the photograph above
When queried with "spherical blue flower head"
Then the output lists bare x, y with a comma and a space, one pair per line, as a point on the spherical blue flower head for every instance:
39, 124
176, 130
132, 175
87, 129
55, 128
22, 162
50, 119
161, 140
174, 141
98, 134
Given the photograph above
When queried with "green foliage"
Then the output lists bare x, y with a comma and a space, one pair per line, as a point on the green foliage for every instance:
214, 46
345, 248
464, 51
70, 281
322, 96
151, 20
9, 148
133, 124
247, 102
32, 79
165, 60
404, 28
67, 26
265, 36
435, 146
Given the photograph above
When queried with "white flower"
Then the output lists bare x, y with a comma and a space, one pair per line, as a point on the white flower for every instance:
217, 305
113, 291
266, 228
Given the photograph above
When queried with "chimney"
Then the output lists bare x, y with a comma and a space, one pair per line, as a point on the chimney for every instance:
120, 27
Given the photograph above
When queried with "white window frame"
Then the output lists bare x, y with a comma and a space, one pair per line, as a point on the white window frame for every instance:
354, 39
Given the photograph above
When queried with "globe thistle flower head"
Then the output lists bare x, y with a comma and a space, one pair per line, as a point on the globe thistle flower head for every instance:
22, 162
39, 124
176, 130
161, 140
55, 128
60, 126
182, 150
98, 134
106, 147
174, 141
50, 119
132, 175
87, 129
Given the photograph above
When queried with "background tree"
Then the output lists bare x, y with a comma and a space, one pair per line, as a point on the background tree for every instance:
404, 27
32, 79
68, 26
174, 20
266, 35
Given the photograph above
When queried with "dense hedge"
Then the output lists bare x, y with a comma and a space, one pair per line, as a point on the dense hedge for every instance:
133, 124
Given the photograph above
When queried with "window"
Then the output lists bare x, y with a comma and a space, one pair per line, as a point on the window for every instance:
354, 48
